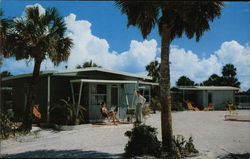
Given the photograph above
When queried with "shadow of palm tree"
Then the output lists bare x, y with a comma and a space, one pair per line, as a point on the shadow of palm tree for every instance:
236, 156
62, 154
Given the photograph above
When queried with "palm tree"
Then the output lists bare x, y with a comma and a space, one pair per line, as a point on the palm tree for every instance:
87, 64
4, 26
173, 18
153, 69
37, 36
213, 80
184, 81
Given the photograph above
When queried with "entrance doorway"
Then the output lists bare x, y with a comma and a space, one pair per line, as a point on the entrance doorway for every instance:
115, 98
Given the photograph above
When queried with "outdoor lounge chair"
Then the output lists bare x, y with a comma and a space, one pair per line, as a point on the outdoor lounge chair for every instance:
209, 107
36, 112
230, 107
190, 107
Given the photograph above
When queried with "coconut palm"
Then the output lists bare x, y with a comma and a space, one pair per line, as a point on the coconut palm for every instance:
4, 26
153, 69
173, 18
87, 64
37, 36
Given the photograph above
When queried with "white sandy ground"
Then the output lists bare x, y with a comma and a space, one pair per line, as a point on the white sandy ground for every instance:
213, 137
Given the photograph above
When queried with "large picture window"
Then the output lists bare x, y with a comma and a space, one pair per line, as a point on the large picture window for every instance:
99, 94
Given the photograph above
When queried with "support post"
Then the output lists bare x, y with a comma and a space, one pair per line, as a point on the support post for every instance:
79, 99
72, 92
48, 100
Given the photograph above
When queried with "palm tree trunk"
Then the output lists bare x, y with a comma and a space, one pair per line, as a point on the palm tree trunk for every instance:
27, 121
166, 118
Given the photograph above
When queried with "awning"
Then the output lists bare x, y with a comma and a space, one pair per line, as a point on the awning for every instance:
100, 81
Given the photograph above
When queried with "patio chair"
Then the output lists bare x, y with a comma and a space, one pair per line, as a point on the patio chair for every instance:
36, 112
230, 107
190, 107
209, 107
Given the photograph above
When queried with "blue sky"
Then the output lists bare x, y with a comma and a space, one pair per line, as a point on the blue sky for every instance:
110, 37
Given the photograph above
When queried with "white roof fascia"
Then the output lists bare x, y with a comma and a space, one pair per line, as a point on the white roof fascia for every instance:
102, 70
209, 88
149, 83
26, 75
101, 81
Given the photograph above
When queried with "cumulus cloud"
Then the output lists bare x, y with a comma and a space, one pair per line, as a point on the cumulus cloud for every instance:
140, 53
187, 63
89, 47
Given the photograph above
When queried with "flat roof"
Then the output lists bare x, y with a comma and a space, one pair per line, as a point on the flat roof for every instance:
208, 88
73, 72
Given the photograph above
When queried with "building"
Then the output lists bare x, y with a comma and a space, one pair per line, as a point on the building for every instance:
87, 87
200, 96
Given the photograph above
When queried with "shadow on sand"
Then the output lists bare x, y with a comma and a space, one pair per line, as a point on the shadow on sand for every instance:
62, 154
236, 156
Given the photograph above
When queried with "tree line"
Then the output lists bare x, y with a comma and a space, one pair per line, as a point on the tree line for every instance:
228, 77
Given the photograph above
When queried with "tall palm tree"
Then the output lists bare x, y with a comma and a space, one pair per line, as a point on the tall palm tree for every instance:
37, 36
4, 26
173, 18
184, 81
153, 69
87, 64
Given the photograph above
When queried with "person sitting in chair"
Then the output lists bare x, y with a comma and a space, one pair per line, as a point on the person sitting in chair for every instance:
106, 113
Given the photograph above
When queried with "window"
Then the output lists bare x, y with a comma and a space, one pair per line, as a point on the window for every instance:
99, 94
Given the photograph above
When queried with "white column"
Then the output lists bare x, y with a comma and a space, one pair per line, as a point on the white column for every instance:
48, 100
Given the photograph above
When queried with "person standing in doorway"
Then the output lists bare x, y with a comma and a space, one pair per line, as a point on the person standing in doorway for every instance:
139, 106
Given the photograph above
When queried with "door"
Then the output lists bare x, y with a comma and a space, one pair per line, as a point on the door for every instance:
210, 97
115, 99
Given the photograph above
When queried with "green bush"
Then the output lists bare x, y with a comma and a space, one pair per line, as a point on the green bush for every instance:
179, 106
7, 126
182, 147
142, 141
64, 113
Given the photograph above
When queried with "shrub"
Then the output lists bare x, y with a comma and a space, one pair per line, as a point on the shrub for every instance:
155, 103
7, 126
178, 106
64, 113
142, 141
182, 147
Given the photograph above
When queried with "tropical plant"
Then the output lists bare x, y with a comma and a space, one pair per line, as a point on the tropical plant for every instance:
7, 127
173, 18
213, 80
184, 81
88, 64
64, 113
153, 69
229, 73
228, 77
37, 36
142, 141
182, 147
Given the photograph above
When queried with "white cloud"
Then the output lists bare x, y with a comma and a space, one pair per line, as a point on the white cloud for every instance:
189, 64
40, 8
87, 47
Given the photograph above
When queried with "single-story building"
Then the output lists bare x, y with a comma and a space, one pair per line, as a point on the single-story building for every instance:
87, 87
201, 96
242, 100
